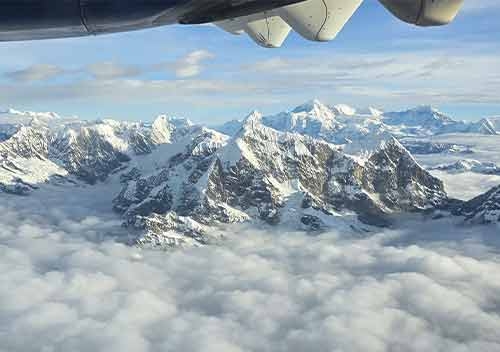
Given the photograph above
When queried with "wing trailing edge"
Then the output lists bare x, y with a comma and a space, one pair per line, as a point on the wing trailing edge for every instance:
317, 20
265, 29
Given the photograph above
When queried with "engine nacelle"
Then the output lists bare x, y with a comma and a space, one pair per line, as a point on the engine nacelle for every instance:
319, 20
424, 12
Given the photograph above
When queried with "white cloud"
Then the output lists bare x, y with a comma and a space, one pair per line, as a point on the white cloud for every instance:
112, 70
192, 64
392, 80
66, 286
406, 78
39, 72
188, 66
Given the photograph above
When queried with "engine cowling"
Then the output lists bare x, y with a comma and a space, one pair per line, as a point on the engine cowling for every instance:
424, 12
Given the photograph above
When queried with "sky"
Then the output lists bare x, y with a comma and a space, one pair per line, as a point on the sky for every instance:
210, 76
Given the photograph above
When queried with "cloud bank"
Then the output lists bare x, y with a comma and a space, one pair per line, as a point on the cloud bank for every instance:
66, 285
357, 79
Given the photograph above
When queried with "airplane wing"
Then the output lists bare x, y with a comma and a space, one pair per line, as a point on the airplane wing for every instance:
267, 22
322, 20
318, 20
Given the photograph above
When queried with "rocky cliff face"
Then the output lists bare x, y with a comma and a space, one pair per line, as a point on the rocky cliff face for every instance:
484, 209
37, 148
275, 177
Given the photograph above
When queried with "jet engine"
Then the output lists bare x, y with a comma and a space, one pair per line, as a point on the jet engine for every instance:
424, 12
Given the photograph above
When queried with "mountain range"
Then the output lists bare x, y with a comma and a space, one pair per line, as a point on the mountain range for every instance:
339, 123
311, 168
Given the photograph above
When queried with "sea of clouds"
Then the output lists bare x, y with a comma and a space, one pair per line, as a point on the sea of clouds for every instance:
68, 284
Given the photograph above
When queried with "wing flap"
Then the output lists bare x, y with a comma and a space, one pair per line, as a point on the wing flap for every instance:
269, 32
319, 20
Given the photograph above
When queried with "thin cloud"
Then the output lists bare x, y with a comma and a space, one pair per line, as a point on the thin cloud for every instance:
188, 66
112, 70
39, 72
192, 64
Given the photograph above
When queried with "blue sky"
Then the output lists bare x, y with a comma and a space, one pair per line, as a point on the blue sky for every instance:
210, 76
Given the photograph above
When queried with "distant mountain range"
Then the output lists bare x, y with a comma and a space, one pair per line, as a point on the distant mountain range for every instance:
340, 122
309, 168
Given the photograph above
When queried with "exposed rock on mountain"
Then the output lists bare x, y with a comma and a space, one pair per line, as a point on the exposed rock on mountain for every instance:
37, 148
469, 165
484, 209
273, 176
427, 147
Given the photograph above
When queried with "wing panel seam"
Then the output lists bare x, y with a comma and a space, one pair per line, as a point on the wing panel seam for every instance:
83, 18
324, 21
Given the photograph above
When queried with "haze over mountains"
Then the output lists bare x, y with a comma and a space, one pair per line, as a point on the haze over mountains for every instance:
311, 168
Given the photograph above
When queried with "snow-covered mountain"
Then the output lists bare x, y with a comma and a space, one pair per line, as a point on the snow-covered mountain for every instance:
470, 165
484, 209
310, 168
277, 177
426, 121
494, 122
341, 123
17, 117
337, 124
37, 148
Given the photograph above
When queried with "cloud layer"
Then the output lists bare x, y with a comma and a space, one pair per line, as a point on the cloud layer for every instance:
190, 65
361, 79
67, 286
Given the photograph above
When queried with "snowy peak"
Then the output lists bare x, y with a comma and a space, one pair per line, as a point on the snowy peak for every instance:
277, 177
342, 124
311, 106
493, 123
312, 118
255, 117
250, 124
484, 209
342, 109
427, 121
315, 109
487, 126
422, 116
13, 116
161, 130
